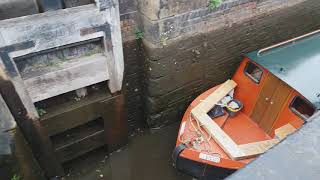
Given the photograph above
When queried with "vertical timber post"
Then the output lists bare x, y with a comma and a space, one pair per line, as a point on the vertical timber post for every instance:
24, 112
113, 43
115, 122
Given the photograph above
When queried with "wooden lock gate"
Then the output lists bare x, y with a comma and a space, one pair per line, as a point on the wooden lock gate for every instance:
44, 58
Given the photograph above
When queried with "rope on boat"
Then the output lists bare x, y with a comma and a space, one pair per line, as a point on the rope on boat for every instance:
197, 129
231, 105
210, 149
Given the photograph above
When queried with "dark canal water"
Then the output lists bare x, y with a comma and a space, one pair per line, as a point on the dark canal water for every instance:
146, 157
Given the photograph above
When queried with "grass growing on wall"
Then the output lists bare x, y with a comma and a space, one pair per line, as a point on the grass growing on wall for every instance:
138, 33
212, 4
15, 177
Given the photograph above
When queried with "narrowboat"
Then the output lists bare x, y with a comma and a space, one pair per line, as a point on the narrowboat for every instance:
272, 94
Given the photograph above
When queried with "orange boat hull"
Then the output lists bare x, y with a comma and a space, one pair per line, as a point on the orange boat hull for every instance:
207, 159
215, 164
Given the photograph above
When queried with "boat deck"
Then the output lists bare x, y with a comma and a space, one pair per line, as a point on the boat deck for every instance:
240, 128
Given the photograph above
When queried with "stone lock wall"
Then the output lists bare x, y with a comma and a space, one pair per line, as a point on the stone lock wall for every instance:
14, 151
129, 19
188, 48
133, 62
191, 48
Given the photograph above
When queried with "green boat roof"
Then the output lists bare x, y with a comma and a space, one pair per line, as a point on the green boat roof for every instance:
297, 63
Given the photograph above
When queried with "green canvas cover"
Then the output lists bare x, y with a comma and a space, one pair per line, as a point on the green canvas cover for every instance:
296, 63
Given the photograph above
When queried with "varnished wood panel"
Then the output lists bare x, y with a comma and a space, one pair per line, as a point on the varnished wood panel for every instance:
264, 98
275, 105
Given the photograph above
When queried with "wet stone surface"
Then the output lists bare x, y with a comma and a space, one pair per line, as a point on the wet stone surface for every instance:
147, 156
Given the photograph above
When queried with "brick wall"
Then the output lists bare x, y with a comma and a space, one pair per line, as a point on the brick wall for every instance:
204, 47
129, 17
176, 19
133, 83
133, 59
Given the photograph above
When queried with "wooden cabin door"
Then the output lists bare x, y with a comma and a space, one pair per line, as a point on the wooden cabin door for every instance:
270, 101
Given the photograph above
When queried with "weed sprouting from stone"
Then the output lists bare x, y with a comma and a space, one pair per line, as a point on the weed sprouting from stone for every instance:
15, 177
41, 111
163, 40
212, 4
138, 33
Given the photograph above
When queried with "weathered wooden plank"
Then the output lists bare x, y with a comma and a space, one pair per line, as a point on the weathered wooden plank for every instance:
115, 122
200, 114
80, 140
46, 31
284, 131
69, 116
224, 141
68, 76
70, 119
6, 120
69, 137
29, 124
256, 148
59, 28
207, 104
81, 146
6, 123
116, 66
234, 151
9, 72
52, 29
